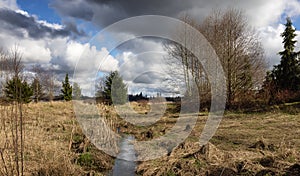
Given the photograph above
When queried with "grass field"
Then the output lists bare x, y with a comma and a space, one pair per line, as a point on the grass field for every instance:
244, 144
54, 142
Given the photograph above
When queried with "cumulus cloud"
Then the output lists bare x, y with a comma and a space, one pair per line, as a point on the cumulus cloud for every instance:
33, 51
85, 60
135, 65
148, 72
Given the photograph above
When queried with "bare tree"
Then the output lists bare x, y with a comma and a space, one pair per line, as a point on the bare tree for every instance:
47, 81
180, 55
3, 58
239, 50
12, 67
237, 46
14, 64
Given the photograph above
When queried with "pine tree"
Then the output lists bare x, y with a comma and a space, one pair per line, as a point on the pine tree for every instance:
287, 73
76, 91
66, 89
18, 90
115, 90
37, 89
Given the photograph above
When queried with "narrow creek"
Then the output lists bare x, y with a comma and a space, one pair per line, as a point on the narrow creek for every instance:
125, 164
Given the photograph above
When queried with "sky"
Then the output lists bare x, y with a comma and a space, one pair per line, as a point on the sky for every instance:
60, 35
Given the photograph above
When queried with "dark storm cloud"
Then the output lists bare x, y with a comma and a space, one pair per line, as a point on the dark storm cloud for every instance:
105, 12
13, 22
142, 44
71, 26
149, 78
76, 9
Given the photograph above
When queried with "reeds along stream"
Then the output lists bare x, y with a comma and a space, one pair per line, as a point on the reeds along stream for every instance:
99, 124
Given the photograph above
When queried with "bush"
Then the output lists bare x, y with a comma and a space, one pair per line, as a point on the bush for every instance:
286, 96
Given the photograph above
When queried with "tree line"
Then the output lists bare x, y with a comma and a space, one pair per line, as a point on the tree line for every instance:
16, 87
44, 86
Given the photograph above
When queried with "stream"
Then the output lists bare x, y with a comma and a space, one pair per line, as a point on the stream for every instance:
125, 164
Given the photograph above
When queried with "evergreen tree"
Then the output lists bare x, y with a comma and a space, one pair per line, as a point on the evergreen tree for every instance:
37, 89
76, 91
18, 90
287, 73
66, 89
115, 90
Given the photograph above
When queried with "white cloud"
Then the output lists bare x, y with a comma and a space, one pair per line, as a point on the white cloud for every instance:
264, 13
292, 7
61, 55
51, 25
272, 42
84, 60
148, 72
33, 51
22, 12
10, 4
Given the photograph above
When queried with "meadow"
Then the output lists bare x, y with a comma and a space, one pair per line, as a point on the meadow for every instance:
252, 143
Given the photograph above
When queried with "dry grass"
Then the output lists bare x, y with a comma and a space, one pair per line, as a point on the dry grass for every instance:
48, 149
253, 142
242, 140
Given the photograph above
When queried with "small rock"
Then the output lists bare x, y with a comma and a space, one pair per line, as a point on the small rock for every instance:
267, 161
187, 128
149, 134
